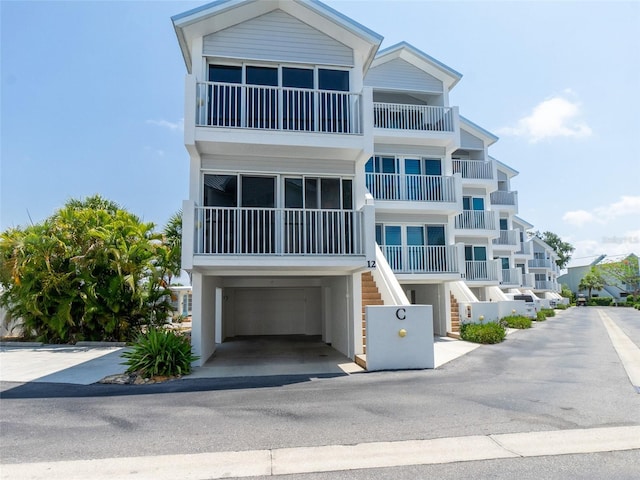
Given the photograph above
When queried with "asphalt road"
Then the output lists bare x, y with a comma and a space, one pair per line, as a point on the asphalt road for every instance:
562, 374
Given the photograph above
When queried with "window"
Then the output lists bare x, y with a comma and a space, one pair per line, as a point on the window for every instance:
435, 235
473, 203
220, 191
504, 224
258, 192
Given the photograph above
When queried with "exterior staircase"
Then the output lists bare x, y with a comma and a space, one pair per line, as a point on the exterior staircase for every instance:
455, 318
370, 296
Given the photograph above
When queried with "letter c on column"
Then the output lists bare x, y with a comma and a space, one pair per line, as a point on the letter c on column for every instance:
401, 314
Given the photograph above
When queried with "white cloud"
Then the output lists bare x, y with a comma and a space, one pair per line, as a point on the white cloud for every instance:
577, 218
175, 127
627, 206
557, 116
610, 245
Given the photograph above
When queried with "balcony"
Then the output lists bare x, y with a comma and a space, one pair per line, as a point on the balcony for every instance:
427, 259
525, 249
511, 276
528, 280
411, 188
474, 169
541, 263
278, 108
504, 198
476, 220
278, 231
546, 285
423, 118
507, 239
481, 270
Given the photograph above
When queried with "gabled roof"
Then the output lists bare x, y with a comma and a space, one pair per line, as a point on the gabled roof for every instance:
478, 131
545, 246
417, 57
522, 222
511, 172
222, 14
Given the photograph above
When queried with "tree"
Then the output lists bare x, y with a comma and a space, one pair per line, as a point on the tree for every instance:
172, 237
591, 281
624, 274
562, 249
91, 271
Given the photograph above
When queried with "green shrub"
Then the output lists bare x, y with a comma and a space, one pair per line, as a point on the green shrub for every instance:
561, 306
517, 321
600, 301
631, 299
540, 316
548, 312
490, 332
160, 352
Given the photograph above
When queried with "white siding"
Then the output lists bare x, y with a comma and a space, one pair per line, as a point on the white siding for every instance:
278, 165
470, 141
279, 37
399, 74
426, 151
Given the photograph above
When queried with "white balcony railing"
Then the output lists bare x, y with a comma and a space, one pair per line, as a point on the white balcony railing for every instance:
507, 237
528, 280
419, 188
481, 270
511, 276
525, 248
546, 285
424, 118
421, 258
277, 231
501, 197
540, 263
478, 169
476, 219
277, 108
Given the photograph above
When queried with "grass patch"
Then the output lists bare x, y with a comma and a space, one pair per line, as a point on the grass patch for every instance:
540, 316
486, 333
517, 321
548, 312
561, 306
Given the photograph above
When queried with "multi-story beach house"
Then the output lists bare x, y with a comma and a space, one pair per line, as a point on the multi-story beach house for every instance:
326, 175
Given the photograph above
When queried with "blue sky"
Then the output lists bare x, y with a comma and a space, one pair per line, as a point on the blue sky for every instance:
92, 102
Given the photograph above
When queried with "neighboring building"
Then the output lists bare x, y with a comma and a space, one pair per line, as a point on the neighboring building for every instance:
315, 159
577, 270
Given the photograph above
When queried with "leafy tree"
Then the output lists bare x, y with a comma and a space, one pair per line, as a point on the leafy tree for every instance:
566, 292
624, 274
172, 234
91, 271
562, 249
591, 281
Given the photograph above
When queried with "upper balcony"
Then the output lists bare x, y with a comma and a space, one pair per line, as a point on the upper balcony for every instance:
505, 200
476, 223
434, 193
546, 285
511, 277
476, 172
542, 263
508, 240
525, 249
265, 118
416, 124
528, 280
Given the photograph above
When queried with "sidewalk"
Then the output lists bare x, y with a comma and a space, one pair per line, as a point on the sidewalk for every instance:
333, 458
85, 365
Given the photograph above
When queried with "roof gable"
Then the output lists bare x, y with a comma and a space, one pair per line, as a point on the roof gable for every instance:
222, 14
407, 52
399, 74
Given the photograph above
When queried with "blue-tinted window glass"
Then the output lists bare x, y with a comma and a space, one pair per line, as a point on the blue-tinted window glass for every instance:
479, 253
478, 203
333, 80
466, 203
225, 74
379, 234
262, 76
388, 165
368, 167
392, 235
432, 167
415, 236
435, 235
412, 166
503, 224
297, 77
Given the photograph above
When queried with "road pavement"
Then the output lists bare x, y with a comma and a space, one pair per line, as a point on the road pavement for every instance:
563, 375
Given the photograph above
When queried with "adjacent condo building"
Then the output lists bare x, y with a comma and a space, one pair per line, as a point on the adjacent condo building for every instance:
327, 174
